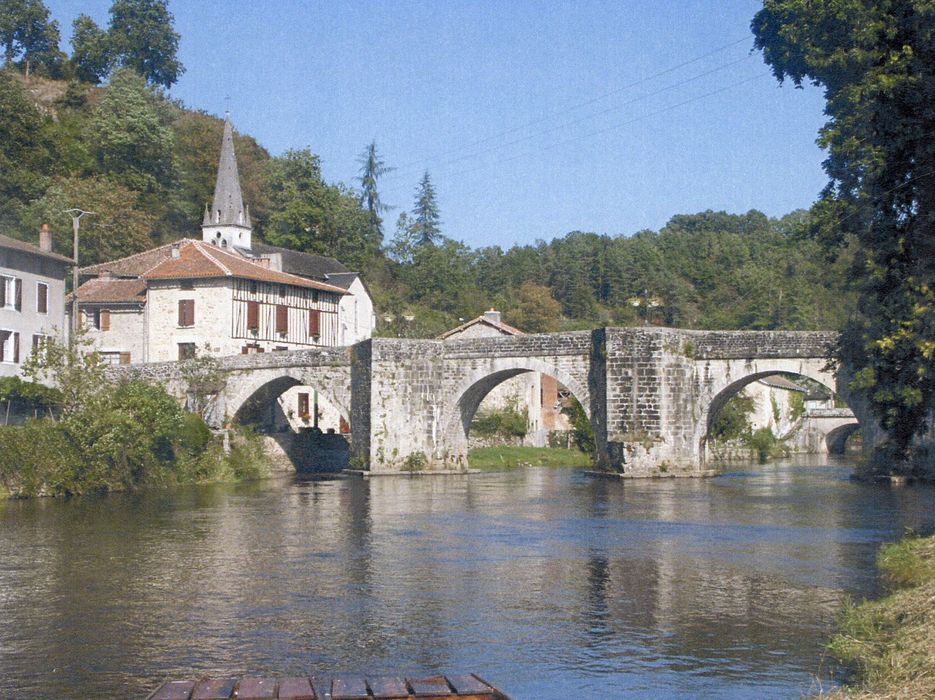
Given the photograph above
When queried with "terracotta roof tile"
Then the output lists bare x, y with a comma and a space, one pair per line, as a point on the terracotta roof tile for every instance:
197, 259
505, 328
112, 291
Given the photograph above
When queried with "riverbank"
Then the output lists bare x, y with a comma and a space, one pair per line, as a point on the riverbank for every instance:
509, 457
891, 641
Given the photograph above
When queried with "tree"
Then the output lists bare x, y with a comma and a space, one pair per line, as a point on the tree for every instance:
141, 37
27, 31
131, 133
372, 168
425, 227
536, 310
92, 56
119, 227
876, 63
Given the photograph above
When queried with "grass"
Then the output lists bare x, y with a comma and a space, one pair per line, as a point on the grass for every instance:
891, 642
494, 458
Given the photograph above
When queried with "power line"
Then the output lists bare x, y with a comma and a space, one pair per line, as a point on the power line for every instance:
550, 115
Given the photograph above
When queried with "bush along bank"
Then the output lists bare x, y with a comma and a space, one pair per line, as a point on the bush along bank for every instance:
112, 435
891, 642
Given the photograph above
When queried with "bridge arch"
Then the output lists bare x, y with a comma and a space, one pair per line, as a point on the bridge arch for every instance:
252, 391
464, 400
836, 439
725, 382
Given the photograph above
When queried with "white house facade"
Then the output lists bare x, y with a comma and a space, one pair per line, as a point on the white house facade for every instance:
32, 299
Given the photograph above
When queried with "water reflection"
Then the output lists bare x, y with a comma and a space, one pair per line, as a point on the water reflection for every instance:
548, 581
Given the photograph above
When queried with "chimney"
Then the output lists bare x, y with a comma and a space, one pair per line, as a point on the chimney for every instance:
492, 316
45, 238
176, 253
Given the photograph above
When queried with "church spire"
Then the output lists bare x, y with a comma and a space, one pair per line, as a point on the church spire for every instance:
227, 223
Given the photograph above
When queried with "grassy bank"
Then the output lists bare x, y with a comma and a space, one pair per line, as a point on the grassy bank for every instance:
891, 641
493, 458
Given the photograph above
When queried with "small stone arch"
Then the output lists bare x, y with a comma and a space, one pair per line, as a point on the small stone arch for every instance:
836, 440
466, 397
718, 392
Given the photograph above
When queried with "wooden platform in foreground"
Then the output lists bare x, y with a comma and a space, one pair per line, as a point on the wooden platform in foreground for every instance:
464, 687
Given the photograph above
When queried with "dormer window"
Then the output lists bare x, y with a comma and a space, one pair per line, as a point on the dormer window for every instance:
217, 217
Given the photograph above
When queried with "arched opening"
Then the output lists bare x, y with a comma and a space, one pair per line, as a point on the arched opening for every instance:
841, 439
769, 414
521, 414
303, 426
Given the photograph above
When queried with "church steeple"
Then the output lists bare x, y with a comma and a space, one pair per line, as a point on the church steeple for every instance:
227, 222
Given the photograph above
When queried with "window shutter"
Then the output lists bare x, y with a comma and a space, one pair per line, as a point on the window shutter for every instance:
282, 318
303, 405
244, 350
16, 348
186, 312
18, 294
253, 315
124, 358
42, 298
314, 323
105, 319
3, 283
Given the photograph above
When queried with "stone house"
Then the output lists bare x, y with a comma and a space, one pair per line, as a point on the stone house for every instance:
32, 299
542, 396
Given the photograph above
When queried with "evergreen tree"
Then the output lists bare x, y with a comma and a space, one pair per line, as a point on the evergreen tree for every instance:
425, 226
372, 168
141, 37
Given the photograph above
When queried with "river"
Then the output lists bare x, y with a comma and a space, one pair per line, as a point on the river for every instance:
548, 582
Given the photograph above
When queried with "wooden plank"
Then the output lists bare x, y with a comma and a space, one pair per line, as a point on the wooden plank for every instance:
295, 689
470, 687
174, 690
388, 687
256, 689
349, 688
322, 688
432, 688
214, 689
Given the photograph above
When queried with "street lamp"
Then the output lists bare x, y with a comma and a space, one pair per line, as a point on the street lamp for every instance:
75, 215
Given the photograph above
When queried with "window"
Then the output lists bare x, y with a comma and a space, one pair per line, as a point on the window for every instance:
42, 297
253, 316
11, 293
99, 319
9, 346
186, 351
186, 313
282, 291
282, 319
314, 323
40, 347
303, 405
253, 288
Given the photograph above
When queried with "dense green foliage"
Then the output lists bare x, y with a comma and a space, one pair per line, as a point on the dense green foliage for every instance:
110, 434
876, 63
506, 422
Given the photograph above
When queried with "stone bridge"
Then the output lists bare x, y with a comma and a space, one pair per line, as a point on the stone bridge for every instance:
651, 394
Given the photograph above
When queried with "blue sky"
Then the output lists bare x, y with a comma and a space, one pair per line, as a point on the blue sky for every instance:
533, 118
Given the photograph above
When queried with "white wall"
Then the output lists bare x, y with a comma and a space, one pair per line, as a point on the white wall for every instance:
357, 319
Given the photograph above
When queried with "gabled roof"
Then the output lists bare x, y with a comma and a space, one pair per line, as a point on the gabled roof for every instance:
504, 328
112, 291
199, 260
304, 264
133, 265
23, 247
777, 381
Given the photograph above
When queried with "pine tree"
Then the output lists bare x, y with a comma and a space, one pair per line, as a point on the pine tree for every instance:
425, 228
372, 168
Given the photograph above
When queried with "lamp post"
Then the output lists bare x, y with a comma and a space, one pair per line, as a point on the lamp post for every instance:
75, 215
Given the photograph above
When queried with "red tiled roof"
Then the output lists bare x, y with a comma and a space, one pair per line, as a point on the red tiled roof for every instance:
197, 259
14, 244
102, 290
504, 328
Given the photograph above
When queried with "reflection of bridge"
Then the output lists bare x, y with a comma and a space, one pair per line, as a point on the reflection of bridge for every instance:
650, 393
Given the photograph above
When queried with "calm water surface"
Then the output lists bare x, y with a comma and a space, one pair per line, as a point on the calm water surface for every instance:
548, 582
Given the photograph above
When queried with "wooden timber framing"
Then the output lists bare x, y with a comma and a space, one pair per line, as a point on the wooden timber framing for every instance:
460, 687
